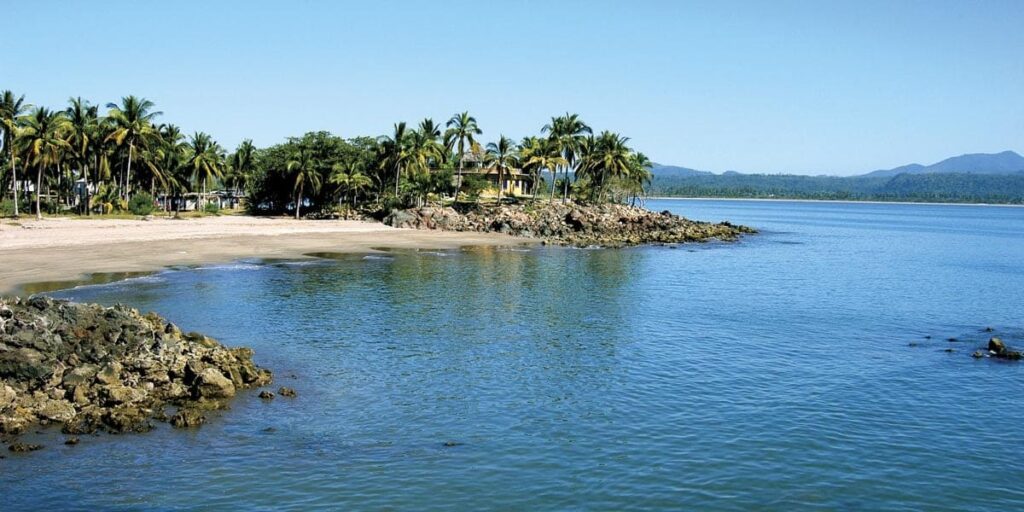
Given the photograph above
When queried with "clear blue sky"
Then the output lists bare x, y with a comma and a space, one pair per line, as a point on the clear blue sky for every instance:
805, 87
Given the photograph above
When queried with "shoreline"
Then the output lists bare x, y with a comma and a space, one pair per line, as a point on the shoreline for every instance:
58, 251
843, 201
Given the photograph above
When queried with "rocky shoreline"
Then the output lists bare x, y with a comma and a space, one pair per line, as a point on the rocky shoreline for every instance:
90, 368
606, 225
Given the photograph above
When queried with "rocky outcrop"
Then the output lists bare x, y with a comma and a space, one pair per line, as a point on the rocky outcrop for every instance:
88, 368
996, 348
609, 225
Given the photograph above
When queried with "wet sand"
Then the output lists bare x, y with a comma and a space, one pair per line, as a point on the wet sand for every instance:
71, 249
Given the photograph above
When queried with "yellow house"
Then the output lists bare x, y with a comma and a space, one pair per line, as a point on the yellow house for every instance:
513, 183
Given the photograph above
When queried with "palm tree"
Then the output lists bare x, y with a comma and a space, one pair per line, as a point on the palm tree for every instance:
640, 175
502, 155
205, 160
42, 143
349, 179
604, 158
305, 174
568, 132
243, 163
133, 121
395, 152
461, 129
83, 120
540, 154
11, 109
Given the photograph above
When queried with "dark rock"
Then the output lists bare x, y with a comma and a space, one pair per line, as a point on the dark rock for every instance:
24, 447
978, 354
288, 392
71, 441
949, 350
996, 346
266, 395
188, 418
449, 444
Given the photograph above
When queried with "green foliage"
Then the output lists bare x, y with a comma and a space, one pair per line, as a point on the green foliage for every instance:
473, 185
6, 208
141, 204
211, 208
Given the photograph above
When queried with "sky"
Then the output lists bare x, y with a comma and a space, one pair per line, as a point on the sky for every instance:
803, 87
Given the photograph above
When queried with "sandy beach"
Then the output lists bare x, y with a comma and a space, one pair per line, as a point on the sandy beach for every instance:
70, 249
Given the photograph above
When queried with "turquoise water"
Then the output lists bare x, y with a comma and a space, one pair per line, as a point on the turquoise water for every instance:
772, 374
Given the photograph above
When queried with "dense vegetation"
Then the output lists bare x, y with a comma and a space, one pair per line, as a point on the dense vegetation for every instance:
944, 187
117, 157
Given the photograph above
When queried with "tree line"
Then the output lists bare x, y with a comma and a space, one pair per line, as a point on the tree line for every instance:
127, 155
937, 187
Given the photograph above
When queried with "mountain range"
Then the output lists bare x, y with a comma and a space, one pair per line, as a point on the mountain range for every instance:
1007, 162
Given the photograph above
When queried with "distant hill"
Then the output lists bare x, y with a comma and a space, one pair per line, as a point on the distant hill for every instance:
672, 170
976, 178
1007, 162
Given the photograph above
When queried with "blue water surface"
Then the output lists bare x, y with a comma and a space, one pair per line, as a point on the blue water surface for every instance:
776, 373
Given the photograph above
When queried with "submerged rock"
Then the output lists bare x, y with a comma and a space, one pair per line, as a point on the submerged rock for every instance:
24, 447
996, 346
610, 225
266, 395
288, 392
92, 368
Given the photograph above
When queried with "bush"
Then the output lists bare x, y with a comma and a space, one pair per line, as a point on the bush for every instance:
141, 204
212, 208
7, 208
473, 185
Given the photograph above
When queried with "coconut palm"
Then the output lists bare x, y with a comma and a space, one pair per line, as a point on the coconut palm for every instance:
395, 152
539, 154
11, 109
133, 123
503, 155
82, 123
243, 163
42, 145
349, 179
603, 159
306, 176
462, 129
568, 132
205, 160
640, 176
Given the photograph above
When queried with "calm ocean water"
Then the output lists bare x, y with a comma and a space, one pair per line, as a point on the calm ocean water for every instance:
772, 374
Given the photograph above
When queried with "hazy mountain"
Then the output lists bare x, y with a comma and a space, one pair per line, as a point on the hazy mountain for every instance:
1006, 162
672, 170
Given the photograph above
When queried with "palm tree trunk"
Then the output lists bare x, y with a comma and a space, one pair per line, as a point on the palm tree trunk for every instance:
14, 183
501, 182
398, 177
39, 192
298, 202
565, 186
554, 176
128, 177
85, 176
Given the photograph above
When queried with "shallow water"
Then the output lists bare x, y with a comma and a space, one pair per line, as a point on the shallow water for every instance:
775, 373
